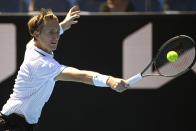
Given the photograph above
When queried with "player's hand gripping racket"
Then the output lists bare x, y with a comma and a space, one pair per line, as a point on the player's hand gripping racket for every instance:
174, 58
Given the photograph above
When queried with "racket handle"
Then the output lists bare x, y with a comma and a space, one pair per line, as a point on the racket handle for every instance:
134, 79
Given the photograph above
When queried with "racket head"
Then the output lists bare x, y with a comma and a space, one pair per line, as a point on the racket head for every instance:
186, 49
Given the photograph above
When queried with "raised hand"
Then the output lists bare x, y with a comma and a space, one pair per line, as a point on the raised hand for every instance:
70, 19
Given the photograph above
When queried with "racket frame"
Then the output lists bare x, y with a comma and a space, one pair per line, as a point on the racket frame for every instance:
162, 47
139, 76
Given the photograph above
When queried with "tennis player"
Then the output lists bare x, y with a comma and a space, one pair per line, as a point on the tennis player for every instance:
39, 72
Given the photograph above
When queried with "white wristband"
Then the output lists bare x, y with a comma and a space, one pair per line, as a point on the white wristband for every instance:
100, 80
61, 30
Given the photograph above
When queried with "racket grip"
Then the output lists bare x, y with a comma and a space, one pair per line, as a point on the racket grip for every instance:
134, 79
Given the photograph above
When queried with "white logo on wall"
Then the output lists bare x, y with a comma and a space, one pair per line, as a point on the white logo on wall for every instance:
7, 50
137, 53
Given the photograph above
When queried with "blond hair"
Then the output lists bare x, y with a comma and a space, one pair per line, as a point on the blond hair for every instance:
36, 22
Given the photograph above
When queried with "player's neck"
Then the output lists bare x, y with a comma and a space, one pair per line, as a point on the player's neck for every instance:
42, 48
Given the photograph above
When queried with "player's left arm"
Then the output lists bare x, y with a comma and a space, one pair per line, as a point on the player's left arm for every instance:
70, 18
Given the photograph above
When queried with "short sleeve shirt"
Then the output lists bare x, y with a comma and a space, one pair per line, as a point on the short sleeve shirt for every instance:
33, 85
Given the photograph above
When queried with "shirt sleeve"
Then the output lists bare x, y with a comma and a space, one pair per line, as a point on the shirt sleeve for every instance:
49, 69
61, 30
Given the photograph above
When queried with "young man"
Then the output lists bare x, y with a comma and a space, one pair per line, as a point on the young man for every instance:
39, 72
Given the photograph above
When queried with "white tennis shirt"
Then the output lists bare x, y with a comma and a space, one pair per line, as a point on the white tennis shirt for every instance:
33, 85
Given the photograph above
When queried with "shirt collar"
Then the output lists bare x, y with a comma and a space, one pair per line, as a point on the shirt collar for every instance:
40, 51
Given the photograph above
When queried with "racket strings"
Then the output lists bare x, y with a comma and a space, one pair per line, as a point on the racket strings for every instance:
186, 55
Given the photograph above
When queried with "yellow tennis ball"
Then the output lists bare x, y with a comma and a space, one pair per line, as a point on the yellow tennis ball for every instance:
172, 56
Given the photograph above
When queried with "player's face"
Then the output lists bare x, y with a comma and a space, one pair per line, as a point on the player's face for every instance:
49, 36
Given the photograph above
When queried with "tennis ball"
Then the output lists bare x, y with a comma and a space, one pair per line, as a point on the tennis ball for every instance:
172, 56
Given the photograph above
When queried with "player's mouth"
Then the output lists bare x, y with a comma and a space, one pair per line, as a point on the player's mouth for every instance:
53, 43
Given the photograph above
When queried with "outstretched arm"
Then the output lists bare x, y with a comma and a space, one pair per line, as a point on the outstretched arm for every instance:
92, 78
70, 18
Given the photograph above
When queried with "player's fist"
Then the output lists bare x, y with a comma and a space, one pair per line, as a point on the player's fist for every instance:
117, 84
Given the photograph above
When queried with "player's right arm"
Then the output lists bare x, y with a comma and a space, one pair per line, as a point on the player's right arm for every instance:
87, 77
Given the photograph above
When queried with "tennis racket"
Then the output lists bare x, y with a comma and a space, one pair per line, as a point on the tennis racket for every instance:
186, 49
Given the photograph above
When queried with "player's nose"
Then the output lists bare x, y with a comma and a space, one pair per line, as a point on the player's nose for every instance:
56, 36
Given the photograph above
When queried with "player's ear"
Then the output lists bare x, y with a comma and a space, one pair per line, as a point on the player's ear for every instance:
36, 34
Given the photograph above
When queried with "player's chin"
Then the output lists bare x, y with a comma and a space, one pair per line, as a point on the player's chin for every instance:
53, 47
